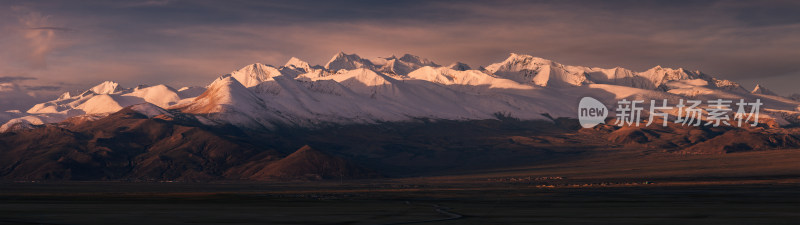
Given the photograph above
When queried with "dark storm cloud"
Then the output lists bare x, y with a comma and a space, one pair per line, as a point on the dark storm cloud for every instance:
43, 88
13, 79
190, 42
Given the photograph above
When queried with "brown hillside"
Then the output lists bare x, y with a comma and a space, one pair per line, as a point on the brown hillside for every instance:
310, 164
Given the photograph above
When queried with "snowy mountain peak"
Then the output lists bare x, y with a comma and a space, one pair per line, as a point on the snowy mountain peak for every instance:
64, 96
539, 71
342, 61
222, 81
254, 74
520, 63
762, 90
297, 64
525, 57
107, 87
224, 94
659, 75
419, 61
160, 95
227, 100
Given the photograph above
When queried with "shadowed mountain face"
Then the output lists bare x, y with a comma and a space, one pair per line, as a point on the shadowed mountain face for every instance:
129, 145
306, 163
124, 145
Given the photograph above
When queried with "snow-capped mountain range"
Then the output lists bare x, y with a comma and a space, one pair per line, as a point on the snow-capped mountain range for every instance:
351, 89
103, 99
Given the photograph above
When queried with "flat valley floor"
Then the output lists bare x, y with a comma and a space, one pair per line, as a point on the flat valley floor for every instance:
613, 187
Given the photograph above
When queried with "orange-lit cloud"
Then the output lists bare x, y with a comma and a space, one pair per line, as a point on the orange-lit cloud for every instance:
39, 35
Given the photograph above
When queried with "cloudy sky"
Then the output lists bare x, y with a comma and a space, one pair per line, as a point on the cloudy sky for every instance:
47, 47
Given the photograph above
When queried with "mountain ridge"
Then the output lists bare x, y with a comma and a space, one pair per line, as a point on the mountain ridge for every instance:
351, 89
